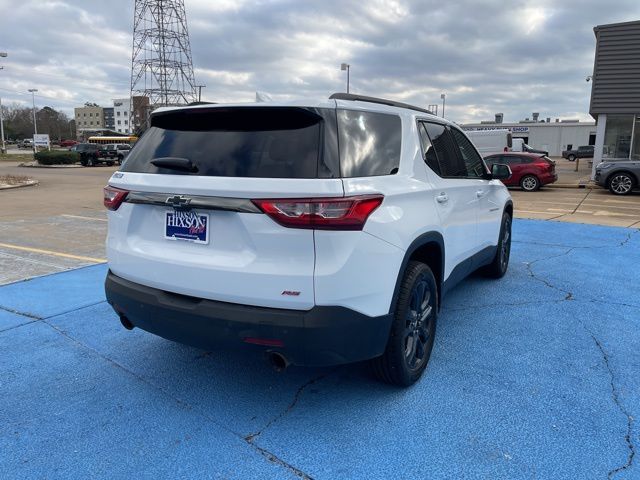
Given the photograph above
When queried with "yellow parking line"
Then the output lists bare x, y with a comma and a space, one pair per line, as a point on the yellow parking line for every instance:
84, 218
56, 254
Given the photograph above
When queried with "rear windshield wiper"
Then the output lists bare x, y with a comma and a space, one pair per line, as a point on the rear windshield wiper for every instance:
175, 163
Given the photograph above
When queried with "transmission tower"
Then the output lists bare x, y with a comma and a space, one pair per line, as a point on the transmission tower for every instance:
161, 64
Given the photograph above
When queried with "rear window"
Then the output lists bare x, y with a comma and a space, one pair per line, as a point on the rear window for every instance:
262, 142
369, 143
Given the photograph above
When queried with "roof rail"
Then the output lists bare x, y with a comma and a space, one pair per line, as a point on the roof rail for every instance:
363, 98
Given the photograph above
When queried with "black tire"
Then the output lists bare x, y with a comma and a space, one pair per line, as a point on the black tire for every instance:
571, 158
529, 183
413, 329
83, 162
621, 183
120, 159
90, 162
498, 267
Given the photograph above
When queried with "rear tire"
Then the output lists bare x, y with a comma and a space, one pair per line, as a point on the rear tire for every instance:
413, 329
530, 183
571, 158
621, 183
498, 267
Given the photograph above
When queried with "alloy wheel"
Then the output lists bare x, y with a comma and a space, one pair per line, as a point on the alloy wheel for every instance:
621, 184
419, 325
529, 183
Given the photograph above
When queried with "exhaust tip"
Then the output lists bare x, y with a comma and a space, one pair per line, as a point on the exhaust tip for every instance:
126, 323
278, 361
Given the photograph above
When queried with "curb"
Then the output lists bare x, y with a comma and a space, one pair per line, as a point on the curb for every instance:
30, 183
73, 165
588, 185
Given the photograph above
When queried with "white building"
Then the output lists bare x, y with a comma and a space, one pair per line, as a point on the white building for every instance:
122, 115
553, 137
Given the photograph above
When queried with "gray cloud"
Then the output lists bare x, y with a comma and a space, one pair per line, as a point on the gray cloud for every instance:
487, 56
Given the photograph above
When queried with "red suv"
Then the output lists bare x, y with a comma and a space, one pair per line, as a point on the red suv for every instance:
530, 171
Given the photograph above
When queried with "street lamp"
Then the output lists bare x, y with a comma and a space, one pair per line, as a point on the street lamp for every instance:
3, 147
343, 67
35, 125
443, 97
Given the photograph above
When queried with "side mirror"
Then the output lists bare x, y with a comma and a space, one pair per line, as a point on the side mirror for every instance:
500, 171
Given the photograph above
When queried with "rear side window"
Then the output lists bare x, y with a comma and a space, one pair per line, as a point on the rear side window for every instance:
262, 142
473, 165
450, 163
369, 143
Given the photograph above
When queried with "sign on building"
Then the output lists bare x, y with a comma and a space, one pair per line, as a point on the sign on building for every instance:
41, 140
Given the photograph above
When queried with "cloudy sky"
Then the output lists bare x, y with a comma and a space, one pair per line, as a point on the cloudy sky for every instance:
488, 56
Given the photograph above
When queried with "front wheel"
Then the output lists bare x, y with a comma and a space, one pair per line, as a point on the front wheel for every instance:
498, 267
413, 329
529, 183
621, 184
571, 158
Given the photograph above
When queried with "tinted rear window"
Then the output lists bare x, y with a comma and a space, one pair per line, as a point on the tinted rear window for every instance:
263, 142
369, 143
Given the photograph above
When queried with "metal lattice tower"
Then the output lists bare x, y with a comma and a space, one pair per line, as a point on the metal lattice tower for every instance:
161, 64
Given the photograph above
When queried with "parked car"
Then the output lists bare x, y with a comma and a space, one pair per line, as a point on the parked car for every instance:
518, 145
529, 171
584, 151
26, 143
90, 155
122, 150
620, 177
491, 141
271, 225
68, 143
109, 151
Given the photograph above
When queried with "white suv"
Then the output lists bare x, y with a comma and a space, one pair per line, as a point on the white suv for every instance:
323, 233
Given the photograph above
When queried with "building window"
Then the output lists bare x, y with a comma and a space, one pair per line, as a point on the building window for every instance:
617, 137
635, 146
119, 122
125, 113
125, 122
118, 113
84, 114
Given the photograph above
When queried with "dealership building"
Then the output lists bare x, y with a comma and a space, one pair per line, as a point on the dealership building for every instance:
615, 92
550, 135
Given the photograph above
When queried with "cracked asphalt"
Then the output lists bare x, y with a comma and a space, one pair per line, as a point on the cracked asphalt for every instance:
532, 376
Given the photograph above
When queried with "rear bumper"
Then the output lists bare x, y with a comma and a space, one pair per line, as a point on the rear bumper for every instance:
546, 179
321, 336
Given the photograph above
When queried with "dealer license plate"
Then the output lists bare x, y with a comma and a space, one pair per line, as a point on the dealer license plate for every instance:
188, 226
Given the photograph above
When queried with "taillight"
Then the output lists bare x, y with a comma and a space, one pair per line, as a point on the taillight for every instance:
342, 213
113, 197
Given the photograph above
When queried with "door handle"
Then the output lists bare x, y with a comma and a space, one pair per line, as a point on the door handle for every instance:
442, 198
480, 193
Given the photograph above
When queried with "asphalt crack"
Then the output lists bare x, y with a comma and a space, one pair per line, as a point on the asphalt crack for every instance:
616, 399
271, 457
253, 436
22, 314
614, 389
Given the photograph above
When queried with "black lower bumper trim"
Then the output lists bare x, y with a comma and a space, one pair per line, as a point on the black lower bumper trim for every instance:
321, 336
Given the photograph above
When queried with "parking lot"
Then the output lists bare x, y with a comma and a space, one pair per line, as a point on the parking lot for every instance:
61, 223
533, 376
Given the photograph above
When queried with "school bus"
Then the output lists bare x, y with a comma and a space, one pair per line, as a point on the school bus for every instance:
103, 140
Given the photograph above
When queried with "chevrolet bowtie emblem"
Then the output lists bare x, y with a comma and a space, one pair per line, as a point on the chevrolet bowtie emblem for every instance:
178, 201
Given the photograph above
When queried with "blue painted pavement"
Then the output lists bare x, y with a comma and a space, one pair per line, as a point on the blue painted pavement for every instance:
533, 376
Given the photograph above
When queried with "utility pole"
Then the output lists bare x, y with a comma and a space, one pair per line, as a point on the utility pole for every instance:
35, 125
200, 87
3, 148
443, 97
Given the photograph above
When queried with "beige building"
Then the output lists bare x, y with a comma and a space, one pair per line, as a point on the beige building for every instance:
89, 118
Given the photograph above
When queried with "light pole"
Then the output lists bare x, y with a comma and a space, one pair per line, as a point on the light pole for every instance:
343, 67
35, 125
443, 97
3, 147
